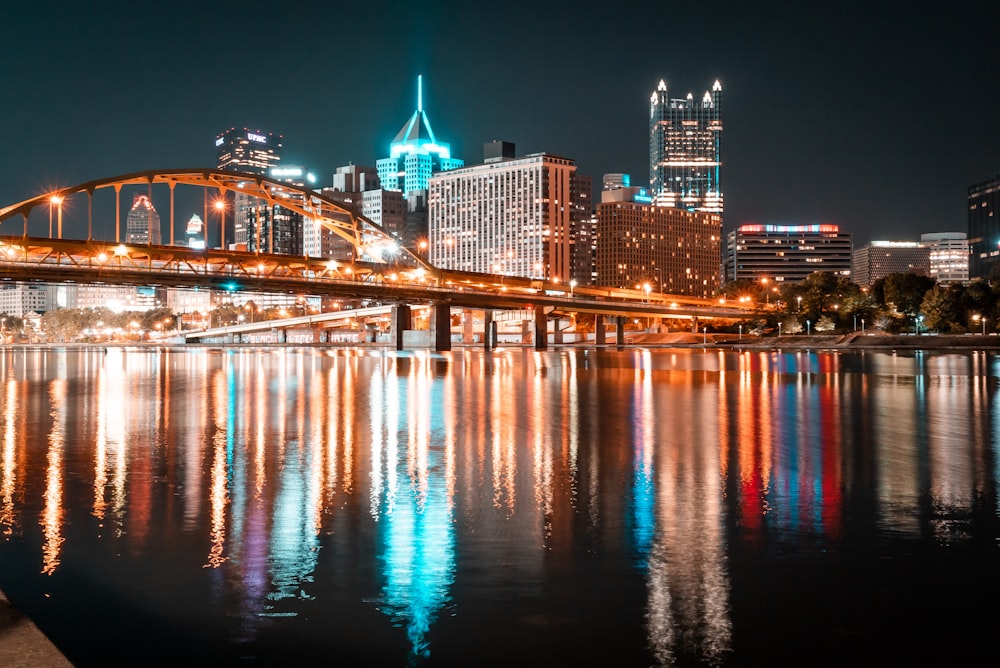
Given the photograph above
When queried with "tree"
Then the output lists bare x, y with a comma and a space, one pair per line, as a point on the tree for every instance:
940, 309
903, 292
825, 324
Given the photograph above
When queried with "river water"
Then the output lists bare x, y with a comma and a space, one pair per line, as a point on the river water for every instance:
570, 507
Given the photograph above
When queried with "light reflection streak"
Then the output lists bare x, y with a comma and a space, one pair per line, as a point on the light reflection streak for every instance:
8, 486
541, 452
419, 545
219, 479
52, 515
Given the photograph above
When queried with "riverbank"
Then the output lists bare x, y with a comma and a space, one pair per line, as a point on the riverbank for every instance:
852, 341
22, 645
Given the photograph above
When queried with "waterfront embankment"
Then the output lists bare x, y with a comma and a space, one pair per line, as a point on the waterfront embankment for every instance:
22, 645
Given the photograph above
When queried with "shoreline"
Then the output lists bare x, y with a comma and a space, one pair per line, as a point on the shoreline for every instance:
854, 341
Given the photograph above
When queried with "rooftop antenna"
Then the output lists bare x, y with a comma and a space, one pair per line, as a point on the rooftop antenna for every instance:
420, 92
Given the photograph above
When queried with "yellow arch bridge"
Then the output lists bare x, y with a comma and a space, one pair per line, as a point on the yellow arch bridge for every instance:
380, 270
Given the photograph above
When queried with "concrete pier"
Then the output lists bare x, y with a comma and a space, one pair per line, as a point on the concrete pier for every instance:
22, 645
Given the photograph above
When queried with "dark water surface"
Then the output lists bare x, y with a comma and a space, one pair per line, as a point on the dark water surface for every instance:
575, 507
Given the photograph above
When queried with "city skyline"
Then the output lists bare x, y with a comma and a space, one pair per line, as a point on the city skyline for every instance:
877, 125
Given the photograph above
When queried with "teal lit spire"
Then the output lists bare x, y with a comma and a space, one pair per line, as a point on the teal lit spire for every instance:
415, 153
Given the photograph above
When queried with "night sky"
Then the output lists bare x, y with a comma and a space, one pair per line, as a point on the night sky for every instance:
874, 119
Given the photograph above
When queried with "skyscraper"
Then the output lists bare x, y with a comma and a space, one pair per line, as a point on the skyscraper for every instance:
685, 150
506, 216
252, 152
142, 226
415, 154
984, 228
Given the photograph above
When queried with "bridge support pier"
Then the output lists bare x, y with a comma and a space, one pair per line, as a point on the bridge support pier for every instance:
489, 330
440, 323
400, 321
621, 330
467, 321
599, 332
541, 328
694, 325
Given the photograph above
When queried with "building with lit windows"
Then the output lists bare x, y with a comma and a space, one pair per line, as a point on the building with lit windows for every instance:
786, 252
882, 258
949, 256
509, 216
251, 152
685, 149
415, 154
984, 228
672, 250
142, 225
358, 189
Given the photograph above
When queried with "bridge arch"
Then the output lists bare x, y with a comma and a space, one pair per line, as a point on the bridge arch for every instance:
369, 240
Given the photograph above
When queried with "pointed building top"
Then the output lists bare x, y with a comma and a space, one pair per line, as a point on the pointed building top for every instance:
662, 85
716, 87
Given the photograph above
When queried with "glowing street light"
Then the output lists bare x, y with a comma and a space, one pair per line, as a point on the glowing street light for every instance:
220, 206
646, 287
572, 284
57, 200
799, 300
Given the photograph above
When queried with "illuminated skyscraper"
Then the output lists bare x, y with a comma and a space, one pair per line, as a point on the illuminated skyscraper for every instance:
415, 154
142, 226
507, 216
250, 151
685, 150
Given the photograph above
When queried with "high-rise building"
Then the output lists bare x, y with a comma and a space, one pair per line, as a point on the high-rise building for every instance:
882, 258
142, 225
272, 228
949, 256
251, 152
670, 249
194, 233
984, 228
358, 188
509, 216
415, 154
685, 149
786, 252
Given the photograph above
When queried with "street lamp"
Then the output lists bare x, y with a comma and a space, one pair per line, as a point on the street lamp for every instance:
646, 288
767, 295
572, 284
741, 331
57, 200
855, 322
808, 328
799, 300
220, 206
980, 319
779, 329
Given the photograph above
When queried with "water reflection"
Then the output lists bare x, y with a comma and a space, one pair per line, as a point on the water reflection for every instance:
434, 488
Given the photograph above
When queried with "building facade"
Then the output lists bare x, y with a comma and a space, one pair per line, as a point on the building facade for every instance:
142, 225
685, 150
882, 258
250, 152
786, 252
415, 155
949, 256
510, 216
984, 228
671, 250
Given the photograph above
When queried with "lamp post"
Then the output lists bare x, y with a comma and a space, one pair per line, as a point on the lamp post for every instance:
808, 328
220, 206
767, 294
855, 322
799, 300
646, 287
741, 332
779, 329
862, 325
57, 200
572, 284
